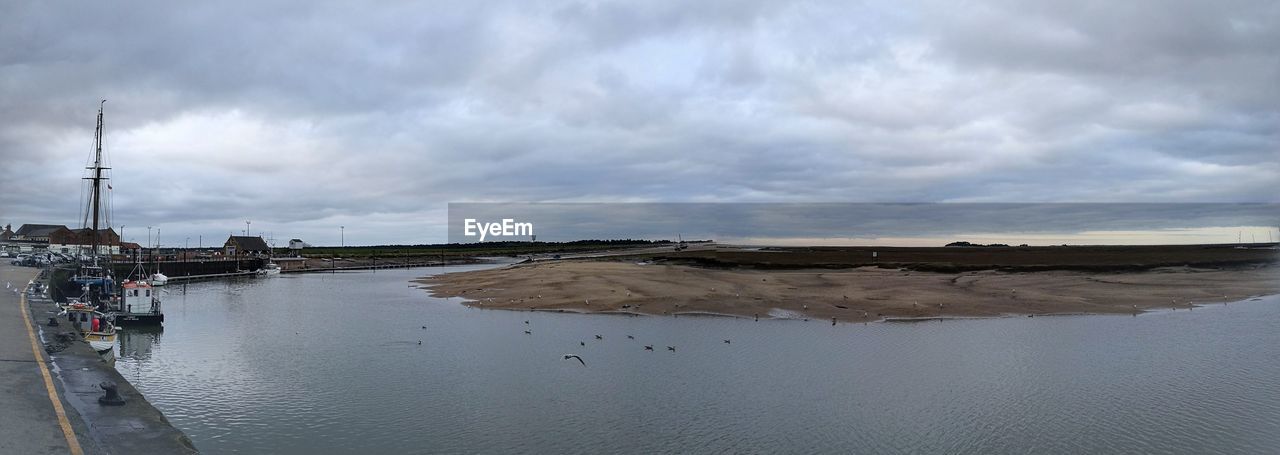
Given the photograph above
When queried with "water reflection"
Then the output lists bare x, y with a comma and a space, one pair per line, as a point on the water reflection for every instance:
137, 342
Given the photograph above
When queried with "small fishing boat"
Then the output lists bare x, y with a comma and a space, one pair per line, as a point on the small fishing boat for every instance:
95, 326
139, 304
158, 279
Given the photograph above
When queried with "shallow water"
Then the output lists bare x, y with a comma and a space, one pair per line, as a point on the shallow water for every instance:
330, 363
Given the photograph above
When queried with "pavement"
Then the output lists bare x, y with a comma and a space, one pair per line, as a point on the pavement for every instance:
29, 423
32, 391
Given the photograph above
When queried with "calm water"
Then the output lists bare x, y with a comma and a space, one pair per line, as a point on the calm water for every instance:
330, 363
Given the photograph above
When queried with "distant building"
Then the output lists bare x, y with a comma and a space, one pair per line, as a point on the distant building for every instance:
7, 233
130, 248
39, 232
82, 240
245, 246
296, 246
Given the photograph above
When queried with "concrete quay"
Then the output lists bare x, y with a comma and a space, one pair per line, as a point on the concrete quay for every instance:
49, 387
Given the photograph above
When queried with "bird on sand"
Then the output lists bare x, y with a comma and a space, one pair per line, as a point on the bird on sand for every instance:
575, 356
648, 347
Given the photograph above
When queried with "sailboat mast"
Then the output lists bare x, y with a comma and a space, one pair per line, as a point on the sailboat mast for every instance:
97, 178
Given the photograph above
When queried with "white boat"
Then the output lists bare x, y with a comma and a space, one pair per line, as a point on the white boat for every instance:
271, 269
158, 279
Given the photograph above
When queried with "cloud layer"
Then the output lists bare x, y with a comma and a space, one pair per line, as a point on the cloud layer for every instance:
306, 117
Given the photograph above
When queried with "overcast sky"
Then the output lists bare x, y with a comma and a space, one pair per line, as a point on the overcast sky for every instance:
306, 116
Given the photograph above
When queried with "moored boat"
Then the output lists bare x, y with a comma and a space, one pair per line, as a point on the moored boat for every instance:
139, 304
95, 326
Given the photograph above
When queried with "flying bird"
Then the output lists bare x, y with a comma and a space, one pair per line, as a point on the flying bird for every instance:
598, 337
629, 337
582, 343
648, 347
575, 356
671, 348
526, 332
727, 342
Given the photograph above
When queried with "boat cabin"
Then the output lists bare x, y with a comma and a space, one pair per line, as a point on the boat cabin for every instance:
139, 298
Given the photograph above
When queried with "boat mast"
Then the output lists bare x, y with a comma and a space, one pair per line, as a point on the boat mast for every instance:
95, 198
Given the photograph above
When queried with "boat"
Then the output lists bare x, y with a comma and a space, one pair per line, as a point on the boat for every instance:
139, 304
95, 326
271, 269
158, 279
94, 275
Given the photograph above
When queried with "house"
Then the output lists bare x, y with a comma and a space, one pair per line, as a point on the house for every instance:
242, 245
7, 233
296, 246
130, 249
39, 232
82, 240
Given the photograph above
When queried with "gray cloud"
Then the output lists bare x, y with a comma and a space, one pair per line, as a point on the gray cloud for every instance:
306, 117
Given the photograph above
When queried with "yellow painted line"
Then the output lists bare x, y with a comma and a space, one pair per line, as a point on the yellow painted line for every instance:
72, 443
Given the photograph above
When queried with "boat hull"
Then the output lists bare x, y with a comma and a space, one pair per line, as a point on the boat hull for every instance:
101, 342
131, 320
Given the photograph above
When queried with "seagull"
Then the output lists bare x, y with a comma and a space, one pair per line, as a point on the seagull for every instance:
526, 332
629, 337
727, 342
671, 348
424, 326
575, 356
419, 342
582, 343
526, 322
648, 347
598, 337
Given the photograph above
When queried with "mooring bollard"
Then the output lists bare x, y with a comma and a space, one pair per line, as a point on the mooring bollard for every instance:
111, 397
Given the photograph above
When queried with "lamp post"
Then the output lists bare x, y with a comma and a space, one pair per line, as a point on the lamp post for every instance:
342, 236
246, 227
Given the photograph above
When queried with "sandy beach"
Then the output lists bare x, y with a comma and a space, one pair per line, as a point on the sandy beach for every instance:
854, 294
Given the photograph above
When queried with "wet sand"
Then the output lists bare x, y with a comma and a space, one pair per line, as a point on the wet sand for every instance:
851, 294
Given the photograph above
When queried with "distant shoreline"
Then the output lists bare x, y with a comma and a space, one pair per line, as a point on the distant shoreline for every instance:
764, 284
